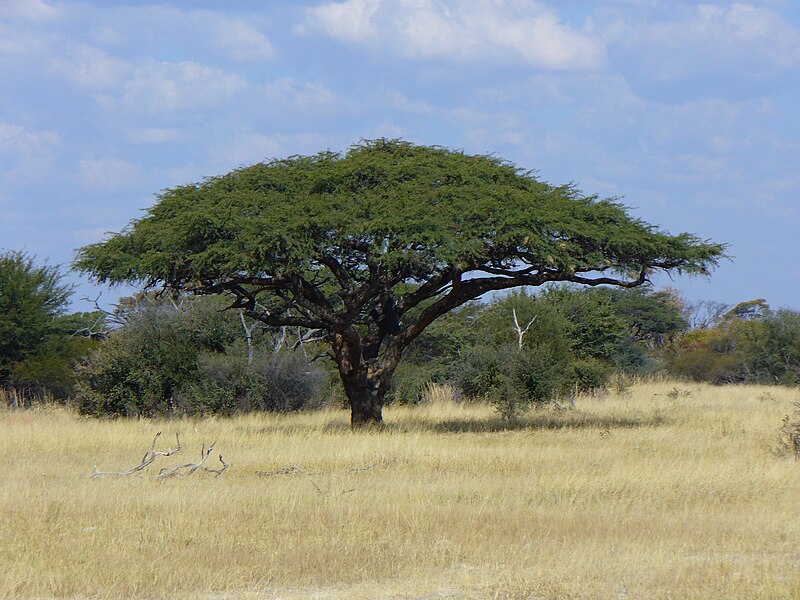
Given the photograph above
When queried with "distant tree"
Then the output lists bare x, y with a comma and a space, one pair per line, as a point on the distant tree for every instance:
372, 246
704, 314
654, 318
751, 310
750, 344
32, 299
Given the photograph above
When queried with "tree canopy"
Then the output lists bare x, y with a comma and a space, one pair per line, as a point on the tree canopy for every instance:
370, 246
32, 298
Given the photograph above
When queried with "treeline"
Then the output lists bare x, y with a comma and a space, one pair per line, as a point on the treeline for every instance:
524, 349
188, 355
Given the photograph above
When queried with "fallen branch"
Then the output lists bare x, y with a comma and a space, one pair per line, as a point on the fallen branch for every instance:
147, 460
199, 466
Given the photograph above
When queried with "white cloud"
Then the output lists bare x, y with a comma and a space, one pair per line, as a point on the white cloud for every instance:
25, 152
241, 41
485, 138
17, 140
154, 135
89, 67
400, 101
199, 32
107, 173
164, 87
29, 10
250, 147
245, 149
17, 42
349, 21
299, 94
743, 38
519, 30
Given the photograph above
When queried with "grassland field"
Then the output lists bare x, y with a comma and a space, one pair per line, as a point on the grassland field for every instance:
670, 490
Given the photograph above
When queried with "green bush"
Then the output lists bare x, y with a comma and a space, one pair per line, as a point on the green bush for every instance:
747, 346
141, 365
227, 384
590, 375
410, 381
33, 334
190, 360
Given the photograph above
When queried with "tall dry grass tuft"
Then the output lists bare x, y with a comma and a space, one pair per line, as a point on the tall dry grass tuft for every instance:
440, 394
790, 432
17, 398
667, 490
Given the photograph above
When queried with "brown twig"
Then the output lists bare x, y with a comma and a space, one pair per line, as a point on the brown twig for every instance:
146, 461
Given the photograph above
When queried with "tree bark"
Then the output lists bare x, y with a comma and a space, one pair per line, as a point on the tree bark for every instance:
365, 382
366, 402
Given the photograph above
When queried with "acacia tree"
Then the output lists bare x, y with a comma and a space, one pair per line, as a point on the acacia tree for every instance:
32, 298
372, 245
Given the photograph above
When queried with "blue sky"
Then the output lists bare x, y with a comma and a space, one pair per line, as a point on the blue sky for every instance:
688, 111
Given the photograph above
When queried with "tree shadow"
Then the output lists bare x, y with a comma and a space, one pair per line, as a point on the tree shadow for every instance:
550, 421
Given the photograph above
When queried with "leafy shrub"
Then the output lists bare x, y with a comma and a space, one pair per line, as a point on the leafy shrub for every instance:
278, 382
50, 372
140, 366
409, 383
168, 360
590, 375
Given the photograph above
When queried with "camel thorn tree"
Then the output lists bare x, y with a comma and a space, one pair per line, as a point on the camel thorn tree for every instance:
370, 246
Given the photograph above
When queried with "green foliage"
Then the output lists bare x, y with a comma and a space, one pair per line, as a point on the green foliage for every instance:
654, 318
752, 344
140, 366
596, 326
372, 246
39, 341
228, 384
513, 378
591, 374
414, 208
51, 370
189, 358
32, 298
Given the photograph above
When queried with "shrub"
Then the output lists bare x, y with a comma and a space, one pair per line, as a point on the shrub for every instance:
410, 382
590, 375
141, 365
227, 384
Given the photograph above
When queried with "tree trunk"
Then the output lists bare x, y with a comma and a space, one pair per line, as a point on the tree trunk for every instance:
366, 403
365, 382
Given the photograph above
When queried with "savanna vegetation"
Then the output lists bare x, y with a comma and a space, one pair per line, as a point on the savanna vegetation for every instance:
159, 354
557, 428
662, 490
368, 248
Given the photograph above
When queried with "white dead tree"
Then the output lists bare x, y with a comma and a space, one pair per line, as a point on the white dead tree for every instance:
248, 336
520, 331
520, 336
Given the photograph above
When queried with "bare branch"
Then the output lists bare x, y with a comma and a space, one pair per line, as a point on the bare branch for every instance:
521, 332
146, 461
112, 317
198, 466
288, 470
248, 336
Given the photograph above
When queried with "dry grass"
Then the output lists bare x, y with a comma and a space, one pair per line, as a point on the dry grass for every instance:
653, 494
